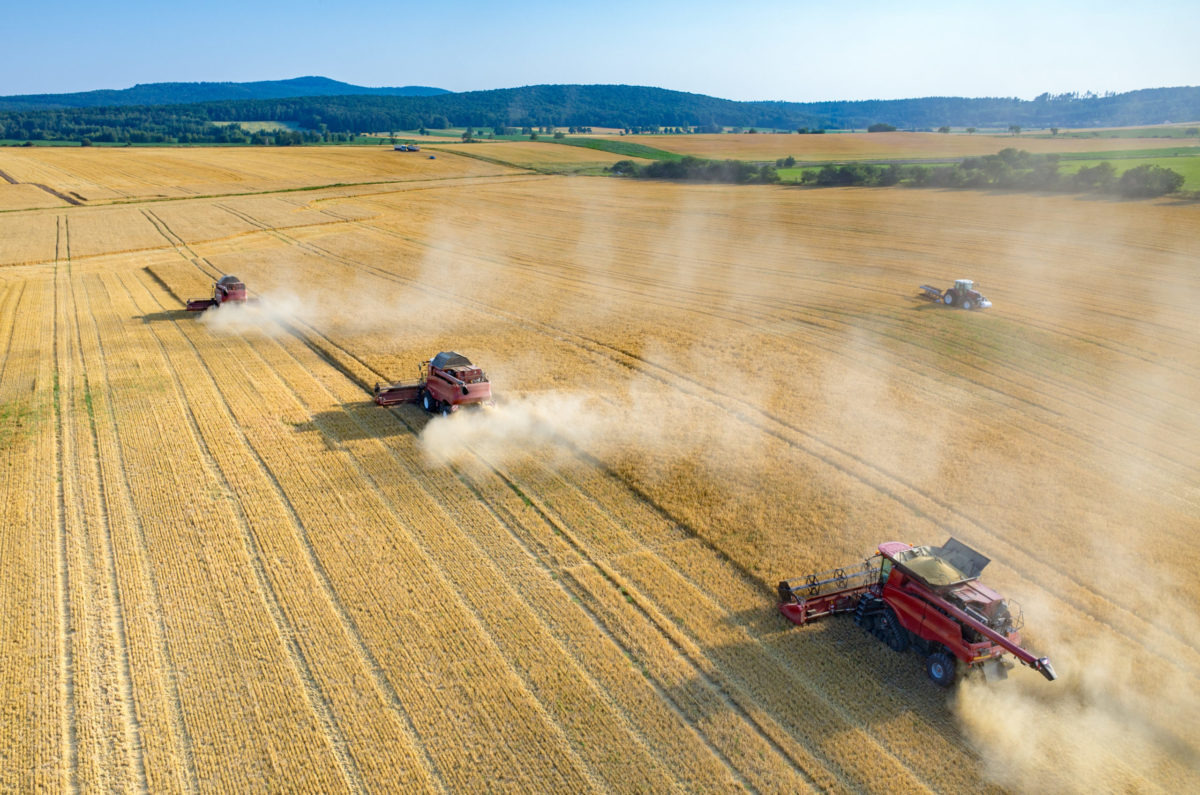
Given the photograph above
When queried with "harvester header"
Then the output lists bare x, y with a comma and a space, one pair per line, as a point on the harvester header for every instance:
928, 598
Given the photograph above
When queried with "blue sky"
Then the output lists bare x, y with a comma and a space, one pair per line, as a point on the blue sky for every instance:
756, 49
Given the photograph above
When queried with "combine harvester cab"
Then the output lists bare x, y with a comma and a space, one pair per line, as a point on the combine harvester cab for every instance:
228, 289
444, 384
927, 598
962, 294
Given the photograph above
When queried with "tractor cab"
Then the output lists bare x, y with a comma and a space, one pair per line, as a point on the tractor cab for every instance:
964, 286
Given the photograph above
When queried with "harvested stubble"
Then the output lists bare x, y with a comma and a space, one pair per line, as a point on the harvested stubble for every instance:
261, 581
104, 175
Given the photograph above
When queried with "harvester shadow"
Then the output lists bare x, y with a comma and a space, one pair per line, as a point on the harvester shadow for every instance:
166, 314
344, 424
837, 667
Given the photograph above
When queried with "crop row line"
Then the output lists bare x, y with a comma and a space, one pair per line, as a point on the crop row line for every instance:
310, 560
284, 627
832, 455
166, 737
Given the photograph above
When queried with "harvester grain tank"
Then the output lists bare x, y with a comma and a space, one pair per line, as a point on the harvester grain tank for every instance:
227, 289
962, 294
444, 384
927, 598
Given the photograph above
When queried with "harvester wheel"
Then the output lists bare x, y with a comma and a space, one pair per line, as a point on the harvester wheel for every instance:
427, 402
967, 303
890, 631
941, 669
865, 613
445, 409
951, 297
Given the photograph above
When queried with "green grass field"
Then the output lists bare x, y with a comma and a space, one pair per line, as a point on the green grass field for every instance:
625, 148
1174, 131
1188, 166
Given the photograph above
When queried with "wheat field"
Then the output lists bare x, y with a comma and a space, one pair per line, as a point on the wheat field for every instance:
226, 570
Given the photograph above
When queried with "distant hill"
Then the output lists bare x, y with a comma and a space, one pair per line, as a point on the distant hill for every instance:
639, 108
647, 107
189, 93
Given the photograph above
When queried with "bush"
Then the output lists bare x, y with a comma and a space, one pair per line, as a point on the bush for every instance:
1148, 180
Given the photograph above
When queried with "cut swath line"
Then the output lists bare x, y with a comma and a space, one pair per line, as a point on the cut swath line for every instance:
283, 627
70, 738
120, 478
816, 446
354, 636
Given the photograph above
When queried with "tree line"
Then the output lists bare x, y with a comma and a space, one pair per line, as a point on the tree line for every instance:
1010, 169
634, 108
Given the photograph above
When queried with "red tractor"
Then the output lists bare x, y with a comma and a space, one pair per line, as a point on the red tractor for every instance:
444, 383
228, 289
927, 598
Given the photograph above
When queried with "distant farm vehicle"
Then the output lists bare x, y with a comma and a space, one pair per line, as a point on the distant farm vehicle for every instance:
444, 384
228, 289
400, 148
927, 598
962, 294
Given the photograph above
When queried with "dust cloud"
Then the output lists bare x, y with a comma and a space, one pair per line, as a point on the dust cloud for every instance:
1109, 723
542, 425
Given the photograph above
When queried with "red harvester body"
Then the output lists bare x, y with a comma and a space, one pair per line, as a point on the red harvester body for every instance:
226, 290
444, 383
926, 597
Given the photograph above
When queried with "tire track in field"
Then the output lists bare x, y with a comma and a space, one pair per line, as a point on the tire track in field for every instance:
525, 547
69, 730
323, 354
705, 592
116, 607
364, 476
716, 398
887, 484
579, 596
770, 309
384, 687
182, 736
349, 625
688, 642
762, 723
284, 628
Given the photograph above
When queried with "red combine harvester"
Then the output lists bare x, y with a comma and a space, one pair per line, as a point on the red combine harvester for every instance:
929, 598
444, 383
228, 289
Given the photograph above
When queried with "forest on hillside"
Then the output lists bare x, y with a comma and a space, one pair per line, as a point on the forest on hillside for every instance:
634, 108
